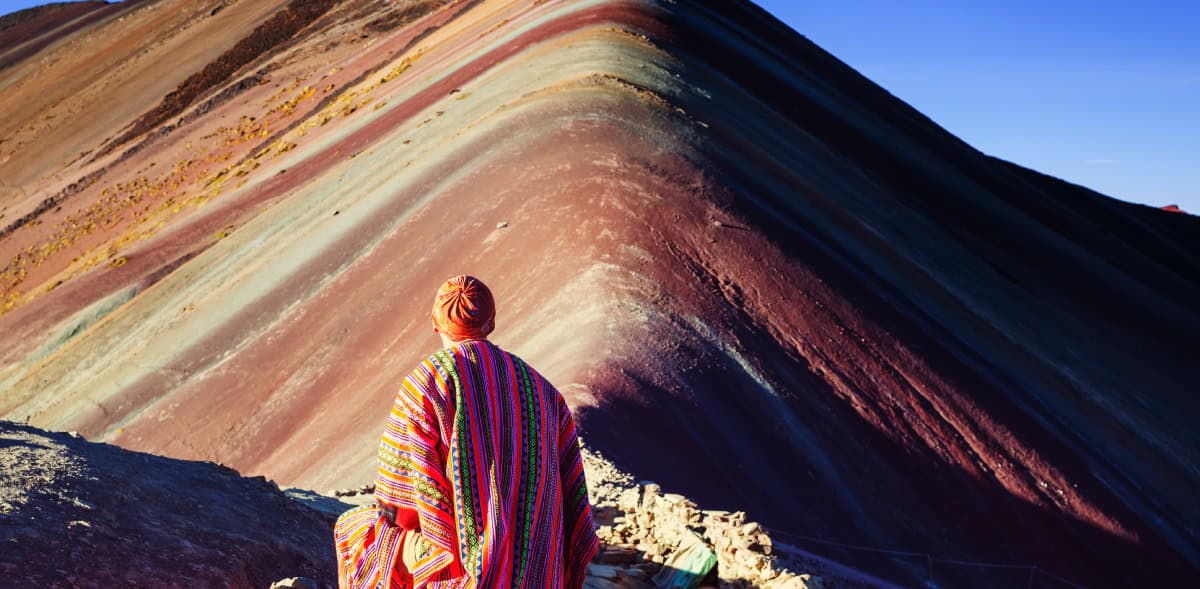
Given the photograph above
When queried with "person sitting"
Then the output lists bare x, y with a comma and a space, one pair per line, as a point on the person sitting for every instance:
480, 480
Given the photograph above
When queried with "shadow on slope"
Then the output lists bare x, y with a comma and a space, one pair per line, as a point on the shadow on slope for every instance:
802, 503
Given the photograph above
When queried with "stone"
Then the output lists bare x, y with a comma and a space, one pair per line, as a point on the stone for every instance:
295, 583
650, 491
652, 550
603, 571
636, 573
650, 568
791, 581
629, 499
617, 555
752, 529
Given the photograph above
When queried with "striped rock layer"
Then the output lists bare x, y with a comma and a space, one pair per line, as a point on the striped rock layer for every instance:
757, 277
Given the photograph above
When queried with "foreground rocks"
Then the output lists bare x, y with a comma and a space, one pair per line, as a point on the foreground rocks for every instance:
79, 514
644, 531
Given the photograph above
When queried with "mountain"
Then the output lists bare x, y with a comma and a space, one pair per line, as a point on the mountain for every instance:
758, 278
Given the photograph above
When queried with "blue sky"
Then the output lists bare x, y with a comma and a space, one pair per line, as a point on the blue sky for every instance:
7, 6
1103, 93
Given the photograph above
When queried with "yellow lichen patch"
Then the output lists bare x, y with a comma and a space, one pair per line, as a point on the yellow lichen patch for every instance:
282, 91
400, 68
280, 147
11, 300
288, 106
350, 101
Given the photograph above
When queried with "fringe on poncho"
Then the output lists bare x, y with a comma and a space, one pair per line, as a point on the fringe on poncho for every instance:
480, 454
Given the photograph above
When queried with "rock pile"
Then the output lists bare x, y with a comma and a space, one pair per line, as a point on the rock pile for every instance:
649, 535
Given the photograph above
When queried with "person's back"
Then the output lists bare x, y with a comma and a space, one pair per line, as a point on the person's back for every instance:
480, 456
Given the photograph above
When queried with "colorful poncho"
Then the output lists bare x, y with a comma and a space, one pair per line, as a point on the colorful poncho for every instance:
481, 456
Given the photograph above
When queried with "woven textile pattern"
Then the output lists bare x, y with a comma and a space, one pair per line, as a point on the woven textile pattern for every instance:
479, 454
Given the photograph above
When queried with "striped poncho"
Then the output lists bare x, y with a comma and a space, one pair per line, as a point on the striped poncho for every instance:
481, 456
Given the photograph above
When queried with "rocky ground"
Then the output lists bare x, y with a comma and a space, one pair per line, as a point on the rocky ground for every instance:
646, 532
79, 514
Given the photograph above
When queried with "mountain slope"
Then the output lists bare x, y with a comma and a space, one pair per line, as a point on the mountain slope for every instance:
757, 277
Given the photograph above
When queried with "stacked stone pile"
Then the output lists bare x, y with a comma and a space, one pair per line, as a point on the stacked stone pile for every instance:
644, 530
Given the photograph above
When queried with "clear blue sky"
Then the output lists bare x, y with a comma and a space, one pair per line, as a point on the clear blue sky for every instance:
1103, 93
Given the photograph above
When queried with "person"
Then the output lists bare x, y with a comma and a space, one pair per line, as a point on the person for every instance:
480, 480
